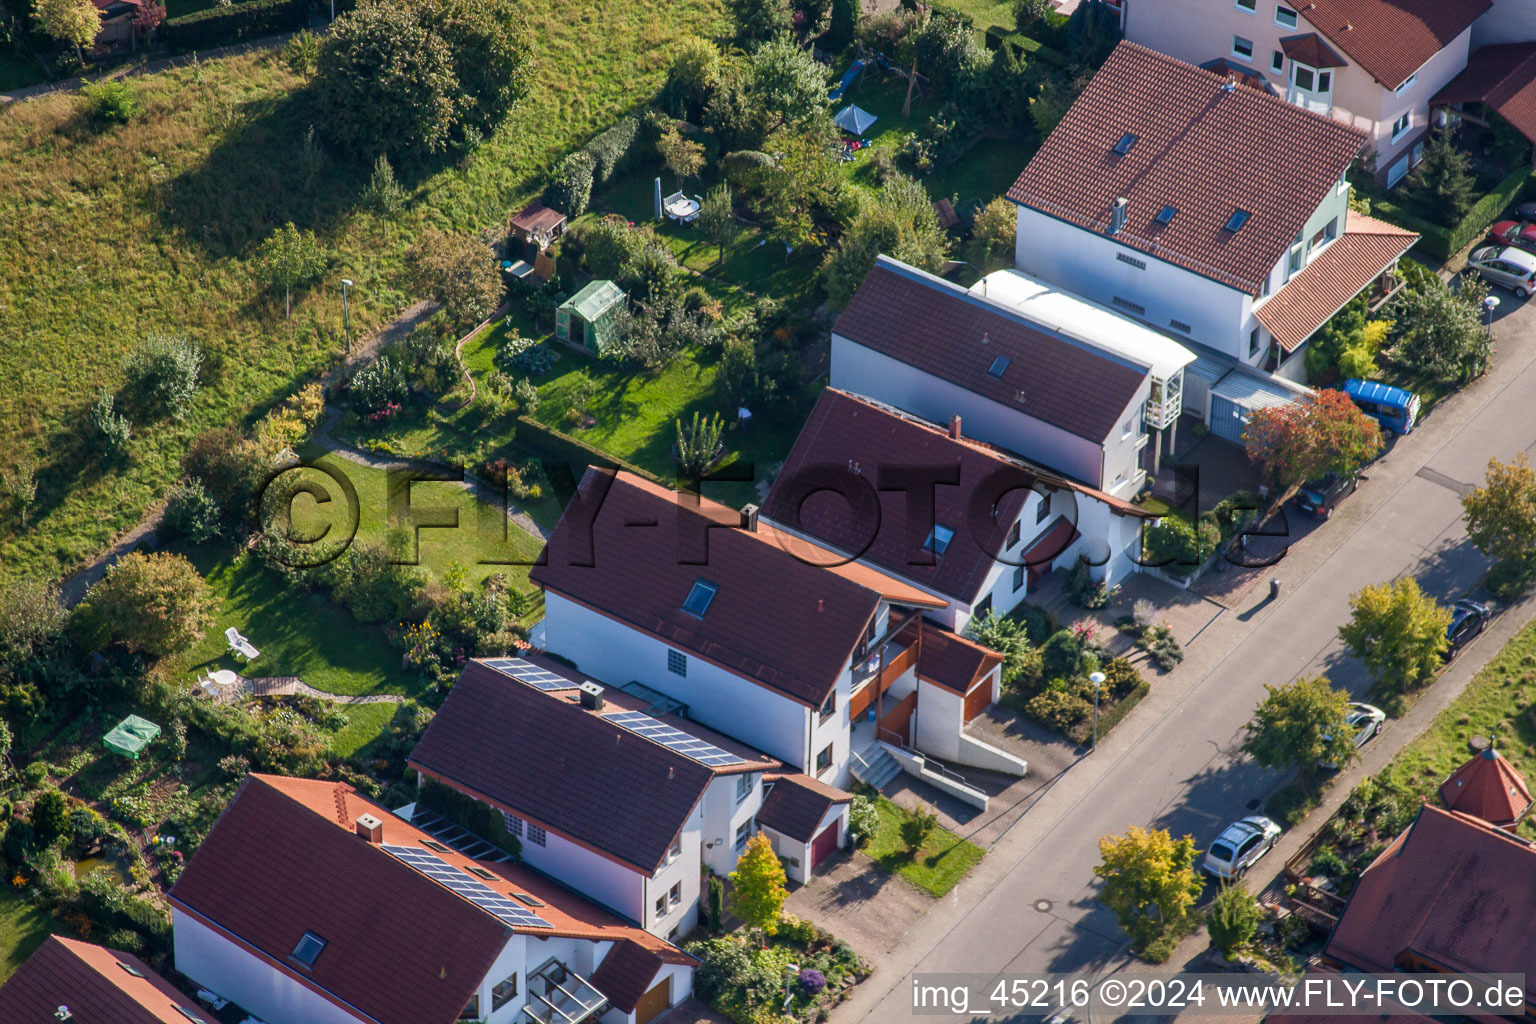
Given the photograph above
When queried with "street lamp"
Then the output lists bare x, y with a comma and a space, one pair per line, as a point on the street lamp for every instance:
1490, 304
1097, 679
346, 318
791, 972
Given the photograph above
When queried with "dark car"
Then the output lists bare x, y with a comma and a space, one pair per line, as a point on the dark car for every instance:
1319, 497
1468, 619
1526, 211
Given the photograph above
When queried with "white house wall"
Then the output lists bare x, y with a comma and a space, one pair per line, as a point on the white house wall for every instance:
684, 871
615, 886
723, 816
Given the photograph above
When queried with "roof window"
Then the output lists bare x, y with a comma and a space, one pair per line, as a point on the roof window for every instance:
1165, 215
308, 949
131, 969
938, 539
699, 597
1236, 221
999, 366
1126, 142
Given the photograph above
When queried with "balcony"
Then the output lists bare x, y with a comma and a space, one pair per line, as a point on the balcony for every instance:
1317, 103
899, 651
1165, 402
558, 995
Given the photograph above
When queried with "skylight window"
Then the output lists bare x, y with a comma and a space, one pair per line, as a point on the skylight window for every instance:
938, 539
1165, 215
194, 1018
1236, 221
999, 365
1126, 142
308, 949
699, 597
131, 969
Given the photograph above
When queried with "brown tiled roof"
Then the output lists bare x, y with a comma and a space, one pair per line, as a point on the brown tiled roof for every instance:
1391, 39
92, 982
953, 661
1324, 286
536, 217
1310, 50
1451, 890
945, 211
1503, 77
846, 433
566, 769
1487, 787
1201, 149
626, 974
775, 620
937, 327
796, 804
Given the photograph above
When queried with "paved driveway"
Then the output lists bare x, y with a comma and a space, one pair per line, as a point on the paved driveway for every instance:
1030, 905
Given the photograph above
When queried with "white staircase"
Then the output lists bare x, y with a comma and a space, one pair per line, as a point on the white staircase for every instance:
874, 766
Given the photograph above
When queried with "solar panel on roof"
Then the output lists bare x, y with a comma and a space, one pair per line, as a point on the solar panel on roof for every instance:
480, 895
675, 739
525, 671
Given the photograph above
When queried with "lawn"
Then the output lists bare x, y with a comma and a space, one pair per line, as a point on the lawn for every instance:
365, 722
23, 927
149, 227
939, 865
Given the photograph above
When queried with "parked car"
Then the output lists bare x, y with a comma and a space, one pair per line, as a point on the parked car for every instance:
1318, 498
1365, 720
1468, 619
1239, 847
1521, 235
1396, 409
1526, 211
1513, 268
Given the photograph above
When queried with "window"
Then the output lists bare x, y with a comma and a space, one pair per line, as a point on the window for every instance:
1264, 288
471, 1009
1324, 81
1126, 142
675, 894
676, 851
1277, 61
1180, 325
513, 825
1285, 16
828, 707
1326, 234
699, 597
1043, 510
1293, 264
1235, 222
308, 949
1129, 426
999, 365
1401, 125
1134, 307
1018, 578
661, 906
504, 992
1132, 260
1253, 342
1013, 537
1407, 84
194, 1018
824, 759
131, 969
938, 539
743, 787
1165, 215
743, 833
535, 834
1302, 77
1119, 479
1242, 47
1246, 5
677, 663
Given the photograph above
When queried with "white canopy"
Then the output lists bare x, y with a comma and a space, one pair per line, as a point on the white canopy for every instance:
854, 120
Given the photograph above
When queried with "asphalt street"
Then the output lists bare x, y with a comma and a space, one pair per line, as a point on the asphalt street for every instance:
1030, 906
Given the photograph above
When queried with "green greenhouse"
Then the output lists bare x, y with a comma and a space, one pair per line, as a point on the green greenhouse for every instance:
130, 736
587, 318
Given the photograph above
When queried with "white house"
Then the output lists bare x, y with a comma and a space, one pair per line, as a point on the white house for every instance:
308, 904
1210, 211
925, 345
1372, 65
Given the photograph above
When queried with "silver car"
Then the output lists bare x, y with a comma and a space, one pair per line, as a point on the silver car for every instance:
1513, 268
1366, 721
1239, 847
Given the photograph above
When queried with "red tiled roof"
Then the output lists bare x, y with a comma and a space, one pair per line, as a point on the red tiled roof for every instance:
1310, 50
536, 217
939, 328
775, 620
796, 804
1503, 77
1451, 891
566, 769
1391, 39
91, 981
1487, 787
953, 661
1324, 286
1203, 150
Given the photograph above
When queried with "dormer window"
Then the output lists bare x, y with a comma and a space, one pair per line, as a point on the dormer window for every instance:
938, 539
308, 949
699, 597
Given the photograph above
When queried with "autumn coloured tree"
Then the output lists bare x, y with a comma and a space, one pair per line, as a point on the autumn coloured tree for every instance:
156, 604
760, 887
1398, 631
1501, 514
71, 21
1295, 443
1149, 881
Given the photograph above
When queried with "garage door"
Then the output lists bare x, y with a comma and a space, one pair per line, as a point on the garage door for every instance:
977, 700
823, 845
654, 1001
1228, 419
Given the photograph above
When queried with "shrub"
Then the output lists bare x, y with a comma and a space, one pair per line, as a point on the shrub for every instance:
1177, 547
1058, 709
570, 184
155, 604
812, 980
110, 427
916, 827
714, 906
20, 842
377, 386
457, 271
191, 513
230, 466
526, 395
301, 53
1062, 655
162, 377
611, 149
368, 579
1162, 646
1120, 678
1039, 624
50, 817
863, 820
1234, 919
112, 102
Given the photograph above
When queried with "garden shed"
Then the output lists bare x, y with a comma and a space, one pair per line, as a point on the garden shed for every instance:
131, 735
587, 318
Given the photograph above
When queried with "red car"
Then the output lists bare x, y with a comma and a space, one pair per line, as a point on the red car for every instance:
1513, 232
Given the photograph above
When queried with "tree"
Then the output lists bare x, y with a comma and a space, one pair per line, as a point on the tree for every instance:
1093, 30
916, 827
156, 604
782, 85
1028, 14
1293, 444
900, 222
148, 17
1301, 725
191, 513
1006, 636
1398, 631
289, 258
50, 817
384, 194
112, 429
32, 622
845, 18
457, 271
760, 889
19, 483
231, 468
1440, 333
1443, 181
1234, 919
694, 74
758, 21
1149, 881
71, 21
1058, 91
492, 50
804, 184
1501, 514
863, 820
699, 443
162, 376
994, 231
683, 157
717, 219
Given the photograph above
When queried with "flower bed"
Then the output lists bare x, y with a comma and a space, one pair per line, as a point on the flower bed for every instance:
745, 977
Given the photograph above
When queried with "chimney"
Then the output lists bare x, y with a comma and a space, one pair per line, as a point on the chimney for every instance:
370, 828
671, 772
821, 604
749, 518
1117, 215
954, 426
591, 696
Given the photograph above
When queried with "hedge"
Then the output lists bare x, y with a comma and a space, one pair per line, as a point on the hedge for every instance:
545, 442
995, 37
1444, 242
221, 26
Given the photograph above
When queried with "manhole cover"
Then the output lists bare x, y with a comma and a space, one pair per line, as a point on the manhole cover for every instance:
1044, 906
